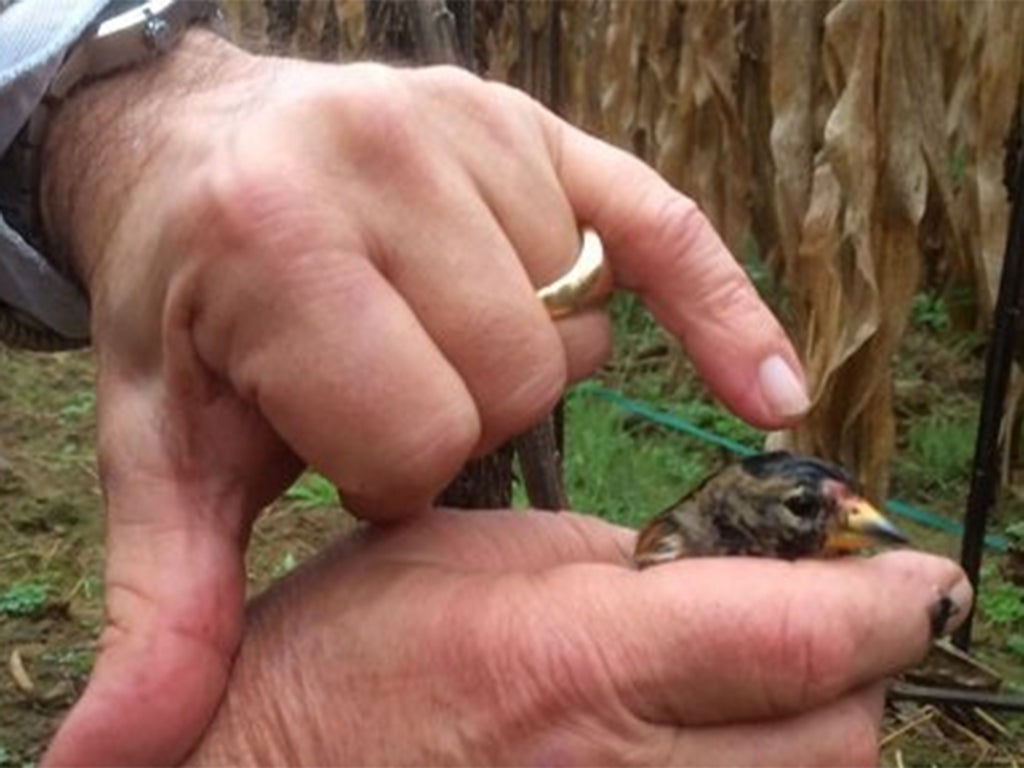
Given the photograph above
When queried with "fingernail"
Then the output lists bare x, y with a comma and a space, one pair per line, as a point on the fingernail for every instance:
939, 614
949, 611
782, 388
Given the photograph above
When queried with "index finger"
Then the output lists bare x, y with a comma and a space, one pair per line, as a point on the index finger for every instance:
664, 248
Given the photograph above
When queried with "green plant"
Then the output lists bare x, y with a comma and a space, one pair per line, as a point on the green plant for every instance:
286, 564
930, 312
79, 405
78, 659
312, 490
621, 468
715, 418
940, 449
1015, 645
1015, 535
26, 598
1002, 603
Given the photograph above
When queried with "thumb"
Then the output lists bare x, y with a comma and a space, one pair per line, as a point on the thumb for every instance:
175, 582
174, 616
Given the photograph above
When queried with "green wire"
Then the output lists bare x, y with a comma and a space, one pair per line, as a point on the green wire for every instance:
679, 424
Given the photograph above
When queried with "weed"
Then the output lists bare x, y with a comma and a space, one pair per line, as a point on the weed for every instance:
81, 404
312, 491
621, 469
1015, 645
78, 659
715, 419
1002, 603
940, 449
1015, 534
26, 598
929, 312
286, 564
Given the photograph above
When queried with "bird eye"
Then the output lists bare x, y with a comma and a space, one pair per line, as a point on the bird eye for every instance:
802, 506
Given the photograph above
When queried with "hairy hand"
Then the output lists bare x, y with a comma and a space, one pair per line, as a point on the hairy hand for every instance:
525, 639
292, 263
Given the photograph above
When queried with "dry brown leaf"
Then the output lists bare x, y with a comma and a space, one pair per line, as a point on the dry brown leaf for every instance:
19, 674
859, 141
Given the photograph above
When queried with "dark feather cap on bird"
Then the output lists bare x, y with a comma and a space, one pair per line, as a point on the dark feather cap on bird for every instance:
778, 504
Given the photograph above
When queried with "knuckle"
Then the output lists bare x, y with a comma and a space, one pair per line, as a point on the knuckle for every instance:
684, 239
375, 112
241, 209
497, 111
861, 745
676, 222
423, 458
451, 79
374, 105
527, 376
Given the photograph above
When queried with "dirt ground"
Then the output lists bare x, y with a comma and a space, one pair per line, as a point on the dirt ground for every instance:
51, 567
51, 534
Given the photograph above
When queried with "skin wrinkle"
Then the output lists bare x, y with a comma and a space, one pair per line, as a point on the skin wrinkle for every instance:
546, 672
390, 636
794, 651
564, 676
254, 744
188, 474
806, 657
130, 598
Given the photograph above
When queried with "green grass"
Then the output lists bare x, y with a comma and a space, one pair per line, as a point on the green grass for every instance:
78, 660
26, 598
1002, 604
939, 450
622, 468
930, 312
312, 491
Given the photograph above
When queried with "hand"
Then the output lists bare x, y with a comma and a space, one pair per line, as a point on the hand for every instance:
292, 263
512, 638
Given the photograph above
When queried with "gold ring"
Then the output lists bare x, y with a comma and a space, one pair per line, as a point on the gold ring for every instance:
587, 284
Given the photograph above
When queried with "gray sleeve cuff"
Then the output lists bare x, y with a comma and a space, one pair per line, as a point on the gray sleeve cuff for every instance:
34, 37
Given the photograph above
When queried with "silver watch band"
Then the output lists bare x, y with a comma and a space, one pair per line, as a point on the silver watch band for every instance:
129, 34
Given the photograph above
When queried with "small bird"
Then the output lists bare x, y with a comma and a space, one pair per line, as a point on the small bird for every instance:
780, 505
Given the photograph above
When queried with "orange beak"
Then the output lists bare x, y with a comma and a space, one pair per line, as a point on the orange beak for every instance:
862, 527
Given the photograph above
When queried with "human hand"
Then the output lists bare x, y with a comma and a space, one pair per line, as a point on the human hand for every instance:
292, 263
526, 639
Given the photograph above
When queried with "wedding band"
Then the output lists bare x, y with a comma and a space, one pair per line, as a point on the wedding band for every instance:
586, 285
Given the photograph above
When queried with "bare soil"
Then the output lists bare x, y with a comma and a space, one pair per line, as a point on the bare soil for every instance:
51, 530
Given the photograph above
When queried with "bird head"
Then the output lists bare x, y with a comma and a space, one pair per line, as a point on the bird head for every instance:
778, 504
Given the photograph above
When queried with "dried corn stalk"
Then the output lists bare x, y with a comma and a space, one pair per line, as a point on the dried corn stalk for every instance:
858, 141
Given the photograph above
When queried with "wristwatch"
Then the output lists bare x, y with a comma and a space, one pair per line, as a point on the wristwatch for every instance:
126, 34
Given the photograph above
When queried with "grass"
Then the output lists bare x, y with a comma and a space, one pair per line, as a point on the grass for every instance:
26, 598
312, 491
938, 452
622, 468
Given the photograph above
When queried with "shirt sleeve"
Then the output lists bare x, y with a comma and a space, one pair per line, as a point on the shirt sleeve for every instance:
34, 37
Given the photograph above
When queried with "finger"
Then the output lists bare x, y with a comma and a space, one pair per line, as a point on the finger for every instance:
522, 191
174, 593
845, 732
768, 639
467, 287
664, 248
340, 366
497, 540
